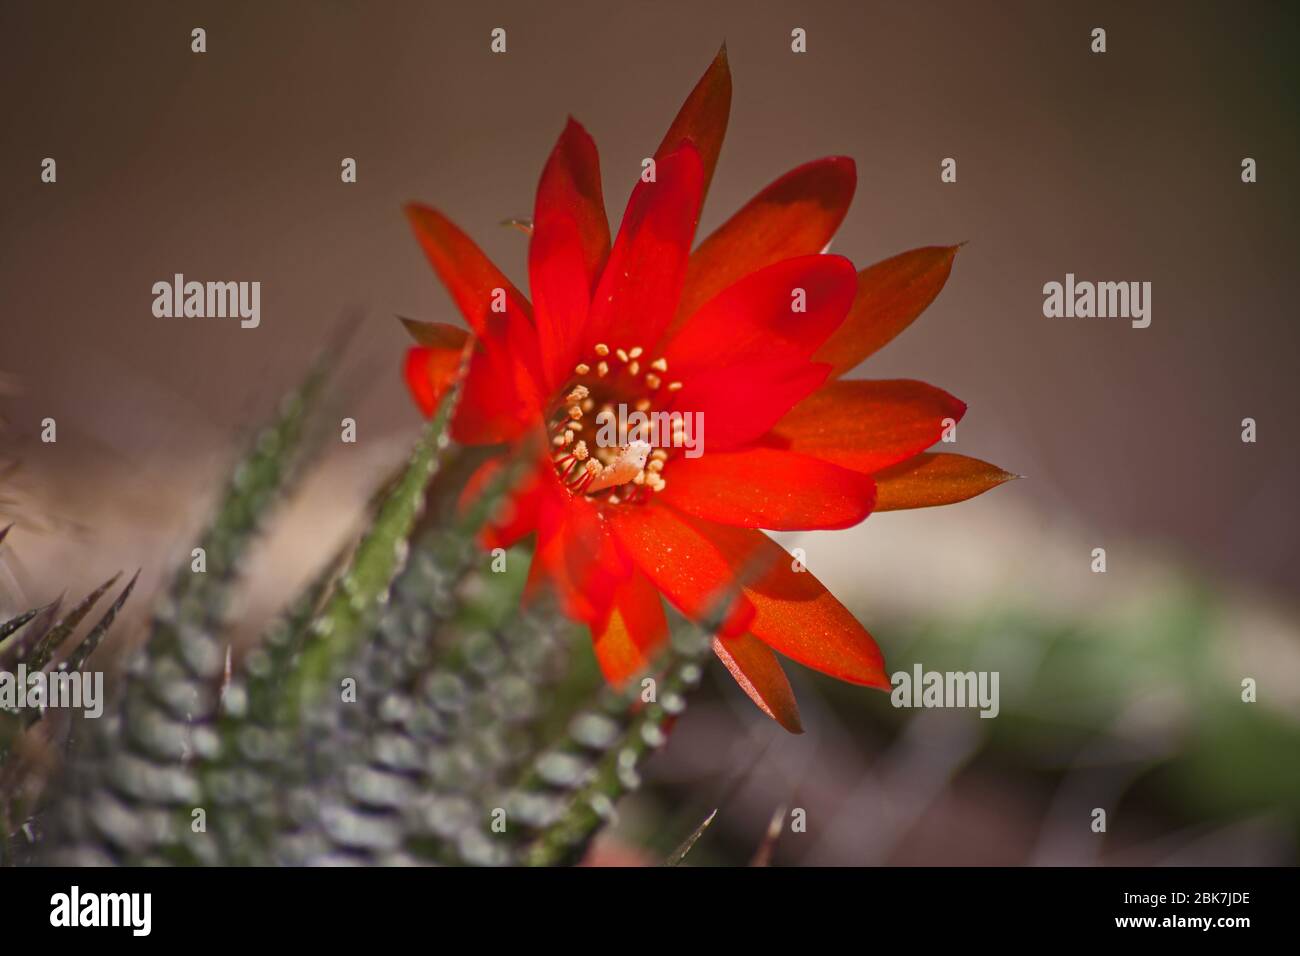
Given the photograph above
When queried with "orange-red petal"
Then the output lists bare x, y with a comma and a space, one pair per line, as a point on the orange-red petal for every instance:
935, 479
568, 249
759, 674
703, 117
794, 614
577, 555
468, 274
754, 320
740, 404
518, 515
867, 425
501, 397
794, 216
683, 564
636, 629
431, 371
890, 295
642, 280
768, 488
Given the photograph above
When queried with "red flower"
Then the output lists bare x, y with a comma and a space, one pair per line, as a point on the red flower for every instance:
647, 324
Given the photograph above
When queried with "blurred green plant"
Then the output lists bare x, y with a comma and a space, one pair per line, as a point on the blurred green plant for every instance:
1139, 707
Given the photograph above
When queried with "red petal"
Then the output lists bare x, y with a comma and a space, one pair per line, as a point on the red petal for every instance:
431, 372
768, 488
682, 563
468, 274
518, 518
642, 281
795, 216
754, 319
867, 425
500, 400
703, 117
637, 628
569, 246
739, 405
794, 613
935, 479
759, 674
890, 295
577, 554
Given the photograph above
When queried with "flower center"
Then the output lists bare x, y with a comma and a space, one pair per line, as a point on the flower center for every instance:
598, 449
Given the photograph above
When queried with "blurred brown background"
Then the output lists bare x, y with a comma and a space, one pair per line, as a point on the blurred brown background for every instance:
1121, 166
225, 166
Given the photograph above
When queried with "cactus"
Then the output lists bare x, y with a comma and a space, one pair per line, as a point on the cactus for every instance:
404, 708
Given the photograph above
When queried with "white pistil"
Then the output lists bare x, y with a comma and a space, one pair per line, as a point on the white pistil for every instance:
629, 463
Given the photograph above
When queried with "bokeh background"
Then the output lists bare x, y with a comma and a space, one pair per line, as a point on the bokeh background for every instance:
1119, 690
